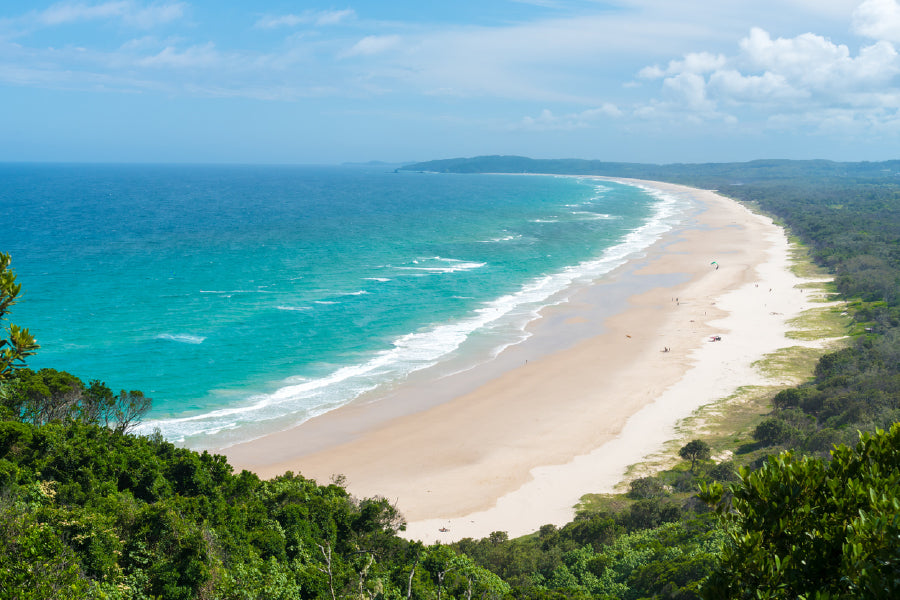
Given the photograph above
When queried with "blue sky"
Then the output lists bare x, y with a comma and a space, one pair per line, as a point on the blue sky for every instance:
316, 82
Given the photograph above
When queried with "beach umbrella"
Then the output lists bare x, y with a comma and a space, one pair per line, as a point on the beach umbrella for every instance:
715, 263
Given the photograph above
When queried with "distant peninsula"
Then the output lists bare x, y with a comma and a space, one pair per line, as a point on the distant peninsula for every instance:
708, 173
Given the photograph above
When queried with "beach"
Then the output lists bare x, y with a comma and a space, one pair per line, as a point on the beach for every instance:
601, 383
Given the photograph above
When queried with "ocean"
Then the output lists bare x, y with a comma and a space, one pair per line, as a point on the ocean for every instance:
247, 299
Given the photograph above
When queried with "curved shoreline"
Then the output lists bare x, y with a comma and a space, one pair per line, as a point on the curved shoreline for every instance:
519, 448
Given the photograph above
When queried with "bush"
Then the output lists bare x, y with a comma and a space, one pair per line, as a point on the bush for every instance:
804, 527
823, 440
646, 487
774, 431
724, 471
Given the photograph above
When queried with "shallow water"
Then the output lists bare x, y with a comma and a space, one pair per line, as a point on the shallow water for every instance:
244, 300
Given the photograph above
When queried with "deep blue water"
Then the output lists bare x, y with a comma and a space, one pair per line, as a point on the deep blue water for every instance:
251, 298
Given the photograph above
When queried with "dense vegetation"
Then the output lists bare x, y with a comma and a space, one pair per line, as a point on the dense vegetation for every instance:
89, 510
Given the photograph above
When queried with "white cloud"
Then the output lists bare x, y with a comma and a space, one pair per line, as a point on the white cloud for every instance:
814, 63
690, 88
878, 19
372, 44
547, 121
69, 12
651, 72
202, 56
334, 17
128, 11
806, 74
769, 87
317, 18
694, 62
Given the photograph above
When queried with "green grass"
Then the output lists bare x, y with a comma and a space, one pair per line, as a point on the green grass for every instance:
791, 365
802, 266
826, 290
596, 503
820, 323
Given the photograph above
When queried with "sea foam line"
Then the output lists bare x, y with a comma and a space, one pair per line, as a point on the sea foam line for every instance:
450, 265
302, 399
184, 338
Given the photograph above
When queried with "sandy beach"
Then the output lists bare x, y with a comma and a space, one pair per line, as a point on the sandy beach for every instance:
514, 444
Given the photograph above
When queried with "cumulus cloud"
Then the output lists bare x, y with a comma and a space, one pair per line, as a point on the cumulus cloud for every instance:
310, 17
694, 62
878, 19
128, 11
806, 74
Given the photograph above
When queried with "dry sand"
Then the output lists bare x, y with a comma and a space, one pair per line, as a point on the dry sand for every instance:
517, 448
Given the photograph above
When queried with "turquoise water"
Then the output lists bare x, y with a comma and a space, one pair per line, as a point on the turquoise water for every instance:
247, 299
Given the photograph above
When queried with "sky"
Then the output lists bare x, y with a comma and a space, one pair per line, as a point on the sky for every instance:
309, 82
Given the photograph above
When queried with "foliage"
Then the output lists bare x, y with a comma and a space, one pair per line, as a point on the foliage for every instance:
803, 527
646, 487
48, 396
695, 450
18, 343
86, 511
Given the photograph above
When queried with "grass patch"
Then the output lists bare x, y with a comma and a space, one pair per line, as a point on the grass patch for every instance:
820, 323
802, 265
790, 365
596, 503
826, 290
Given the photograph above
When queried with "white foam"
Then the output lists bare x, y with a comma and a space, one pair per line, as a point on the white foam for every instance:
506, 238
230, 292
301, 399
184, 338
592, 216
299, 308
438, 264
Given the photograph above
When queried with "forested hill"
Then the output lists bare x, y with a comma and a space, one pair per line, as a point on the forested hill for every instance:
711, 173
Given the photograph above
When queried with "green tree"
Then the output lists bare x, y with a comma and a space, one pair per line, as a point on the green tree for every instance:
646, 487
440, 562
802, 527
774, 431
17, 344
694, 451
129, 408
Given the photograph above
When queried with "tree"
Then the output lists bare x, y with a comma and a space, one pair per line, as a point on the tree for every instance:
647, 487
43, 396
802, 527
439, 562
18, 343
774, 431
694, 451
129, 408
